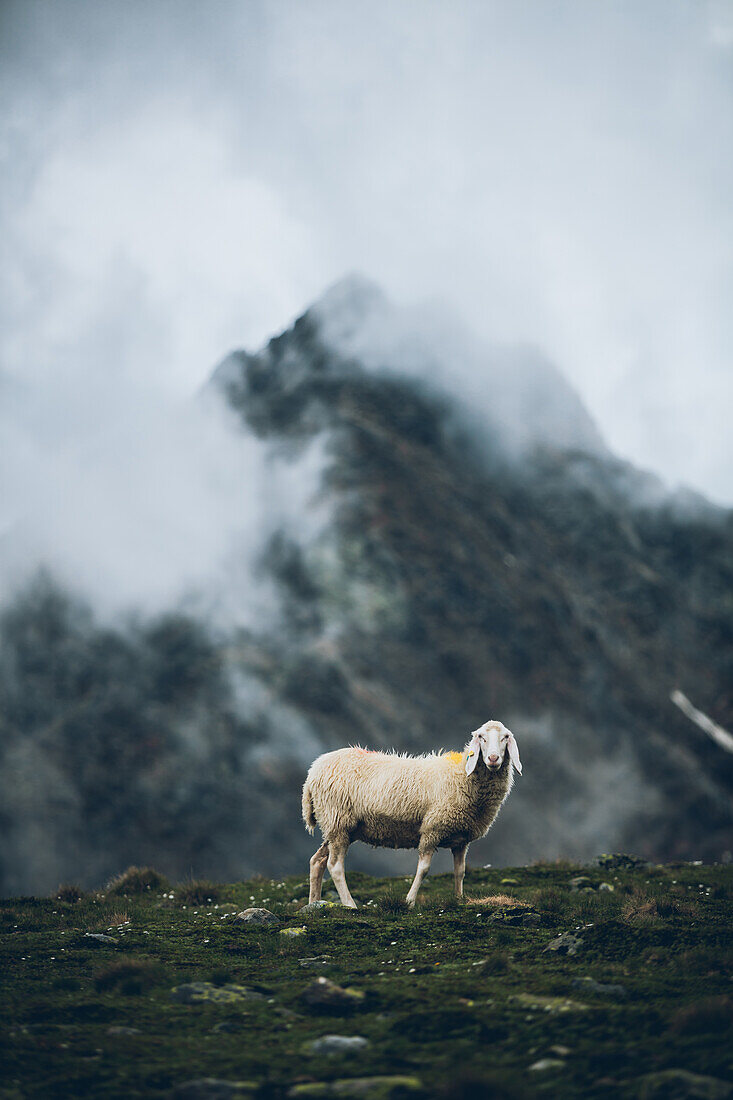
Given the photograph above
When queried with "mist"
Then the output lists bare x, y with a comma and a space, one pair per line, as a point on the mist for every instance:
179, 181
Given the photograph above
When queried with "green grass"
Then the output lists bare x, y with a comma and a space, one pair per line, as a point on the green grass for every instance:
449, 988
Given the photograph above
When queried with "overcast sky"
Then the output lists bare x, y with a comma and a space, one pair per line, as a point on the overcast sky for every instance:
179, 178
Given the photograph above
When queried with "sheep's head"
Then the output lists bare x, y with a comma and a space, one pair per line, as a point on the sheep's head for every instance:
492, 740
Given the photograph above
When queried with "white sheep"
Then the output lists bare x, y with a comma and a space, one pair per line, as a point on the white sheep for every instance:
441, 800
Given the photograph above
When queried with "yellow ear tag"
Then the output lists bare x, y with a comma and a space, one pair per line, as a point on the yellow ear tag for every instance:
471, 753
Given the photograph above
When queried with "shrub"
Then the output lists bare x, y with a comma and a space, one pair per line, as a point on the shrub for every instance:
137, 880
199, 892
69, 894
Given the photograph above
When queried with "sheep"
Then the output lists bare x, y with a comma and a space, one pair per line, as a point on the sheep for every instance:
440, 800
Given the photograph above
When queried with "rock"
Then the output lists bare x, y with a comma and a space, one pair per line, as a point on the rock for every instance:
560, 1051
233, 1024
323, 994
565, 944
578, 881
370, 1088
678, 1084
607, 887
553, 1005
602, 989
207, 993
520, 915
317, 962
291, 932
257, 916
320, 906
122, 1031
510, 882
97, 937
337, 1045
545, 1064
618, 860
210, 1088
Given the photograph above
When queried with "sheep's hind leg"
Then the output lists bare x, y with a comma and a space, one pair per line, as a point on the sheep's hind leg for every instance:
459, 868
423, 866
337, 850
318, 869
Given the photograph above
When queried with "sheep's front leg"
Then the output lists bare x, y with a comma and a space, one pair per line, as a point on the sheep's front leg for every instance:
423, 866
319, 860
337, 850
459, 868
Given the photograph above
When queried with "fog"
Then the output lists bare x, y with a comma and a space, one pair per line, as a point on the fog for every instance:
180, 179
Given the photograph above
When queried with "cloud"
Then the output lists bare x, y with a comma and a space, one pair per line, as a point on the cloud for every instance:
148, 505
562, 174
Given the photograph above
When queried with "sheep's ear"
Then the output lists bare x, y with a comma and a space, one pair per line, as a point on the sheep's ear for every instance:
472, 754
514, 752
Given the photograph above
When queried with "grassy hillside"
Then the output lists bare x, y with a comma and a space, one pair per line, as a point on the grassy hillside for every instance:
453, 1000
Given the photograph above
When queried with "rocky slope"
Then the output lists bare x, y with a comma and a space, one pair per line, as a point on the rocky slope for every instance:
550, 981
552, 586
476, 553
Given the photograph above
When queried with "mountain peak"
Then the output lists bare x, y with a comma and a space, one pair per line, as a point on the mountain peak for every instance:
348, 305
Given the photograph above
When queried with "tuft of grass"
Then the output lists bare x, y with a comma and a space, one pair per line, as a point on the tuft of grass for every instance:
69, 893
550, 900
137, 880
392, 902
198, 892
640, 908
117, 919
496, 901
495, 964
432, 903
594, 907
129, 976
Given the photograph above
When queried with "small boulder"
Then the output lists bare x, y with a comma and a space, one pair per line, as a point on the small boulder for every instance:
541, 1003
579, 882
356, 1088
565, 944
607, 887
326, 995
332, 1046
257, 916
123, 1031
193, 993
317, 962
233, 1024
518, 915
98, 937
319, 907
601, 989
291, 932
546, 1063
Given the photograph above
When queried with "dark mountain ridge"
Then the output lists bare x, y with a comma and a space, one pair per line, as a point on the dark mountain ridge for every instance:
455, 579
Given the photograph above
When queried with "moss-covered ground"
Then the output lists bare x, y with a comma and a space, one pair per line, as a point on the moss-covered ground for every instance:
462, 998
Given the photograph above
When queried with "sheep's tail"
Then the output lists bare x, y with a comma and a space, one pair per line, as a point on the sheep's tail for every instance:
309, 816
